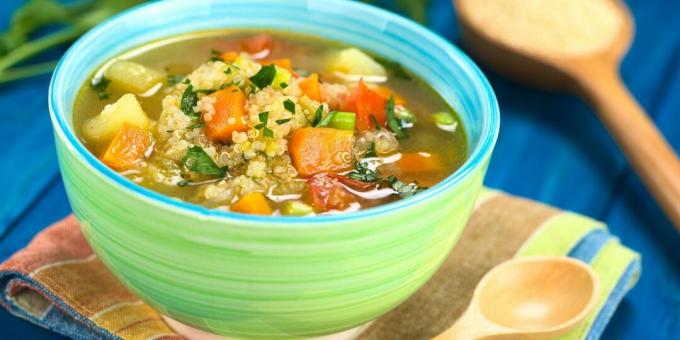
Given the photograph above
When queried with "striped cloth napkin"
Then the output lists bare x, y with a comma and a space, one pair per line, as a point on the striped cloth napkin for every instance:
58, 283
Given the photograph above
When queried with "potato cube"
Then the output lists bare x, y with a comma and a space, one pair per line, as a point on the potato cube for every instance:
102, 128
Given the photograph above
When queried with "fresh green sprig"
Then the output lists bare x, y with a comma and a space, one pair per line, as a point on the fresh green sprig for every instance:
264, 77
198, 161
18, 46
264, 119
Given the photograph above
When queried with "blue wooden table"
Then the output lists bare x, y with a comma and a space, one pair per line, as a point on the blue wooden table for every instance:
551, 148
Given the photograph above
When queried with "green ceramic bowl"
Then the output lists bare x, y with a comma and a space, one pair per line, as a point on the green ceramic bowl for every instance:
251, 276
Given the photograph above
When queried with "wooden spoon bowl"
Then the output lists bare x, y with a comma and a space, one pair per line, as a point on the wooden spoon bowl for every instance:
528, 298
594, 76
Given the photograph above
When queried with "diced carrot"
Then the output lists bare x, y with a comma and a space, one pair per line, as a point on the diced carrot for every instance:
317, 150
420, 163
253, 203
285, 63
230, 56
310, 86
128, 146
366, 103
386, 92
257, 43
326, 193
229, 115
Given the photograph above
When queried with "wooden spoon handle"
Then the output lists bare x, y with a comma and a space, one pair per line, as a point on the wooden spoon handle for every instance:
645, 147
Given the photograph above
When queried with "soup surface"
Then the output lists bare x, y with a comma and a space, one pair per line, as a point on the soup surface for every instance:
268, 123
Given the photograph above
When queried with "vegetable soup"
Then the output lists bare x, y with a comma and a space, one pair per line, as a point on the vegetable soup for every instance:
268, 123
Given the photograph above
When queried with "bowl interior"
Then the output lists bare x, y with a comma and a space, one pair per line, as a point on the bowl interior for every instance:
443, 66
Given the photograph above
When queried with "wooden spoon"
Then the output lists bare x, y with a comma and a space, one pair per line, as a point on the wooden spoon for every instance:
593, 75
538, 297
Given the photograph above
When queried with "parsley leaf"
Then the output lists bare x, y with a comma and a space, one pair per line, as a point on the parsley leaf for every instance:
282, 121
189, 101
198, 161
363, 173
264, 77
174, 79
264, 119
392, 122
289, 105
403, 189
100, 88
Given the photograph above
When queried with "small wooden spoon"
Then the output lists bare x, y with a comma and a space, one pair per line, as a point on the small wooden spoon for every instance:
596, 77
537, 297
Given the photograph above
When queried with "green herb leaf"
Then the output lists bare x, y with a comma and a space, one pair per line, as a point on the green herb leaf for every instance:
392, 122
189, 101
100, 88
283, 85
174, 79
282, 121
227, 71
362, 173
264, 119
264, 77
198, 161
289, 105
196, 126
403, 189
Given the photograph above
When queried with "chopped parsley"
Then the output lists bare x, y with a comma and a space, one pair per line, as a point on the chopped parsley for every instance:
403, 189
100, 88
174, 79
289, 105
264, 119
198, 161
215, 55
264, 77
283, 85
392, 122
196, 126
363, 173
227, 71
282, 121
189, 101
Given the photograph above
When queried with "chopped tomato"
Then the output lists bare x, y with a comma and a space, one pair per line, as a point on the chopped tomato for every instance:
366, 103
229, 115
257, 43
285, 63
326, 193
229, 56
317, 150
128, 146
253, 203
310, 86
